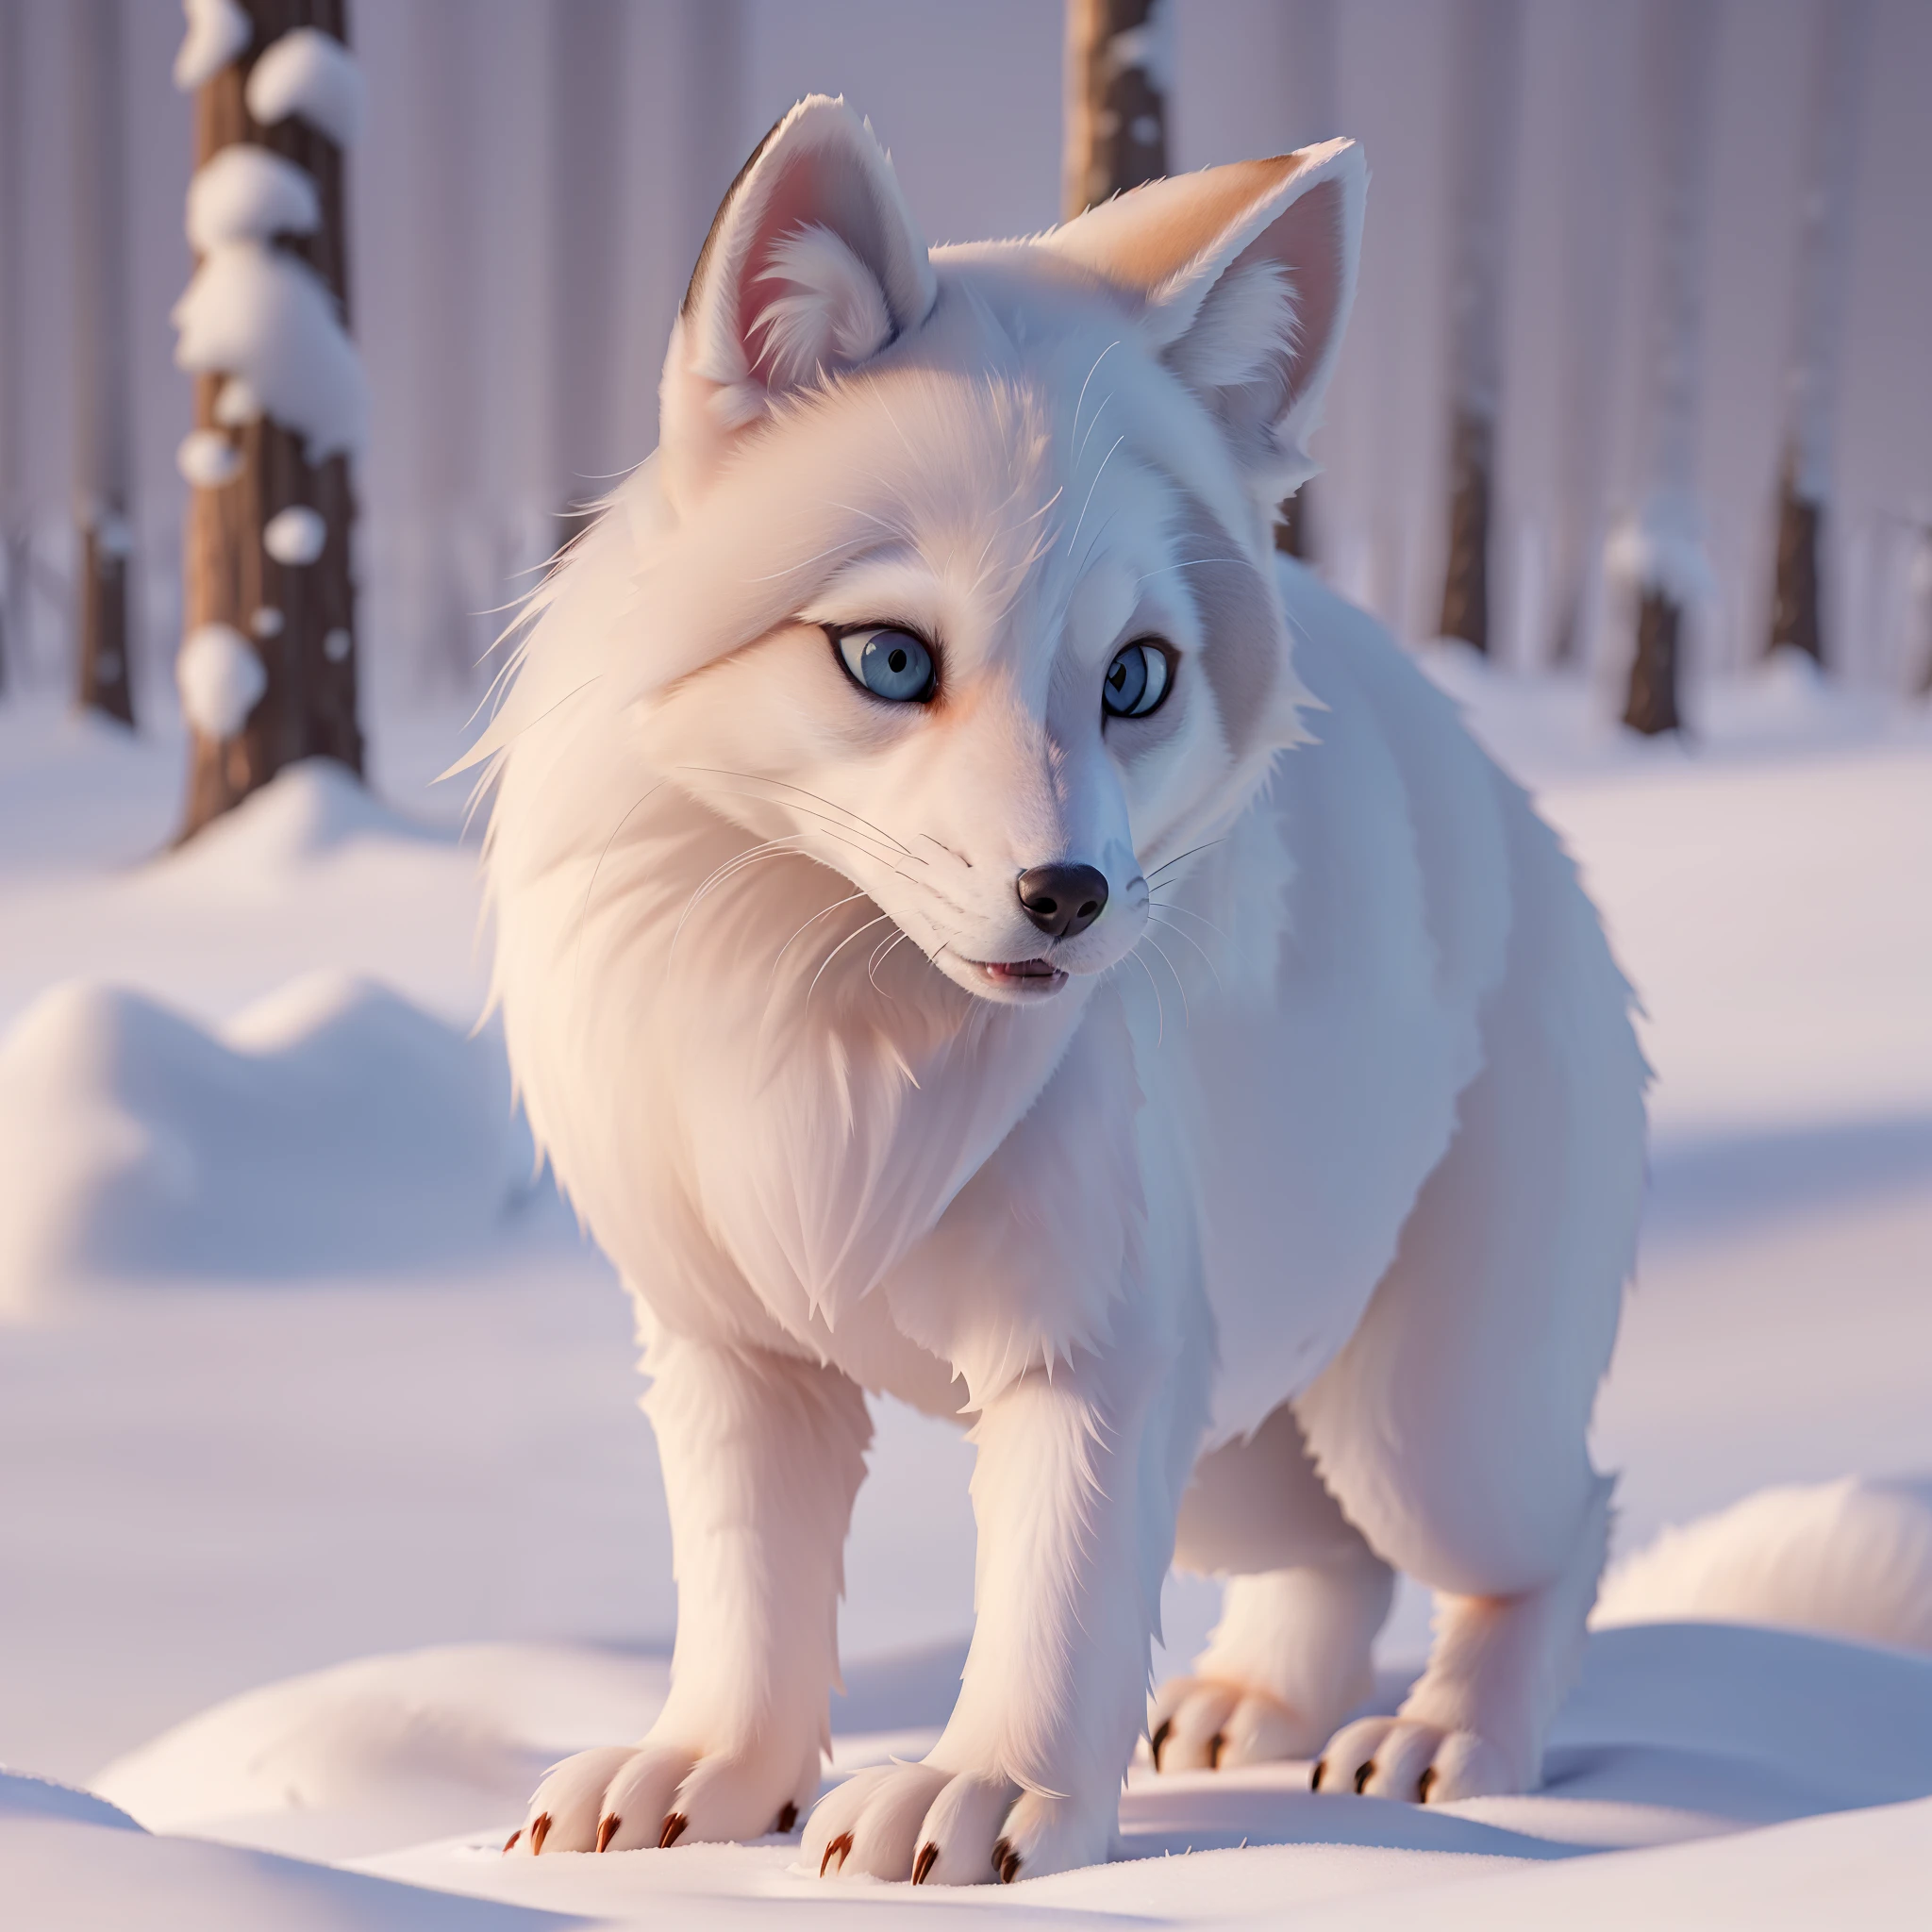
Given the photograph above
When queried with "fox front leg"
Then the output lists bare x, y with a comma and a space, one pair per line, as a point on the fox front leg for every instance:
1073, 1495
763, 1457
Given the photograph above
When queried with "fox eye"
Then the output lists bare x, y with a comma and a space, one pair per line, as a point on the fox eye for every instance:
890, 662
1138, 679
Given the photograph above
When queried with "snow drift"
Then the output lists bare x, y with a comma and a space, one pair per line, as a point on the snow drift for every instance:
1676, 1732
331, 1126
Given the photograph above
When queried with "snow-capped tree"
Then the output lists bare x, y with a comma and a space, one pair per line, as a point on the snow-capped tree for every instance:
1482, 124
267, 669
1659, 550
1843, 58
103, 375
1120, 55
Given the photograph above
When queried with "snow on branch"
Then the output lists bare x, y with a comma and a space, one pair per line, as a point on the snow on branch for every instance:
218, 32
311, 74
248, 195
221, 679
207, 460
266, 320
1663, 548
295, 535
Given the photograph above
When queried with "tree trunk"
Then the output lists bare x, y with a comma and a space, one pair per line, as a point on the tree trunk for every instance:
1844, 31
1795, 600
300, 618
1294, 534
102, 370
1651, 705
1466, 580
1665, 548
1312, 29
1483, 111
1119, 55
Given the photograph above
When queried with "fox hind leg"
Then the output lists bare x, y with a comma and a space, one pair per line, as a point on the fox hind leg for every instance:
1303, 1600
1454, 1424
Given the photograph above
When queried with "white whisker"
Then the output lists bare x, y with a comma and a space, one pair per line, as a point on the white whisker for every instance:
837, 950
1181, 932
1147, 938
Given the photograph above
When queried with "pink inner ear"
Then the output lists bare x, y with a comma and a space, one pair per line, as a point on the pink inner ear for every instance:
1306, 241
820, 187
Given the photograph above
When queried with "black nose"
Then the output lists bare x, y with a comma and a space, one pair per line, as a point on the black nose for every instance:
1062, 900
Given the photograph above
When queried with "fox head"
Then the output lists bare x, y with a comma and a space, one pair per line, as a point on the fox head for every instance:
957, 571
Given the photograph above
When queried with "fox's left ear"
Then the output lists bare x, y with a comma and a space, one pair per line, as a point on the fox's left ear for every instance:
1246, 272
813, 265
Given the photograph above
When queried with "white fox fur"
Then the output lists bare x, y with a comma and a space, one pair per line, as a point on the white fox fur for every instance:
1319, 1151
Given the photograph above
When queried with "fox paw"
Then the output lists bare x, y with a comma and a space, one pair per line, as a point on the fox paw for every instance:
628, 1796
1400, 1757
939, 1828
1205, 1724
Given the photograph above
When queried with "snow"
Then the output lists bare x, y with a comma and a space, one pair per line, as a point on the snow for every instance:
311, 74
236, 404
207, 460
295, 535
324, 1549
246, 193
259, 314
331, 1126
220, 679
1663, 548
218, 32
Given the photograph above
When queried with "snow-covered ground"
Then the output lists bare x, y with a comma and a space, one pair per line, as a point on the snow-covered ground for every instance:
314, 1552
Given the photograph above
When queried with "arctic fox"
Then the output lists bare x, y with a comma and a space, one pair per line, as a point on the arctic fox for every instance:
973, 922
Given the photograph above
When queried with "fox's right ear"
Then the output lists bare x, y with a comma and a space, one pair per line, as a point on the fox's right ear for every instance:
812, 265
1244, 275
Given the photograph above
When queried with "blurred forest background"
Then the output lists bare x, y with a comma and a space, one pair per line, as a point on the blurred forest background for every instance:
1640, 238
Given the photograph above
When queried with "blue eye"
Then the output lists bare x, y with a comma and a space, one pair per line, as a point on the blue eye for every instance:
1136, 681
890, 662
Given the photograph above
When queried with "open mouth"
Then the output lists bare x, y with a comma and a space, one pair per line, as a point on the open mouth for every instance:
1023, 976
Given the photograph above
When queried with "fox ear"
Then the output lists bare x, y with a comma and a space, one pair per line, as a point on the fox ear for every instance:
812, 265
1247, 274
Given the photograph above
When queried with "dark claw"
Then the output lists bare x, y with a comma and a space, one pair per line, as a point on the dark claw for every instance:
607, 1829
540, 1830
1315, 1775
788, 1816
674, 1830
1005, 1862
1363, 1776
1214, 1744
841, 1845
511, 1839
1422, 1791
928, 1857
1158, 1739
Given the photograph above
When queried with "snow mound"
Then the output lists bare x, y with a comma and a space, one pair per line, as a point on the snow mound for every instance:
41, 1797
311, 74
330, 1128
388, 1750
247, 193
1847, 1559
308, 813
